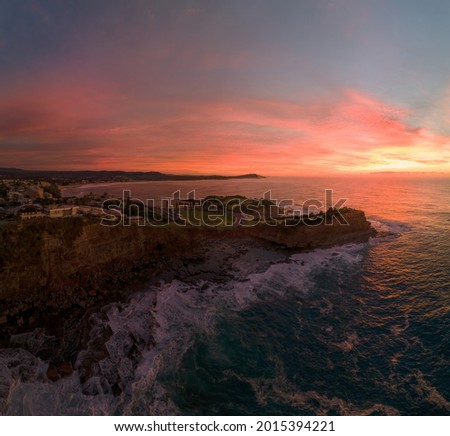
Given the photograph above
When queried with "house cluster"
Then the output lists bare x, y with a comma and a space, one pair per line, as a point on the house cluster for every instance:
35, 212
17, 192
26, 200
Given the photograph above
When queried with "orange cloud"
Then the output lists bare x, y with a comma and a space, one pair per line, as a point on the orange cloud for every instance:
93, 125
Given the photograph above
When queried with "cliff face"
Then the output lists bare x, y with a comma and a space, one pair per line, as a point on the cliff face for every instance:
355, 228
50, 266
54, 265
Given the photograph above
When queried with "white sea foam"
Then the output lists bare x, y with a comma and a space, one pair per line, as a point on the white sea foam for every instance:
148, 336
388, 227
183, 310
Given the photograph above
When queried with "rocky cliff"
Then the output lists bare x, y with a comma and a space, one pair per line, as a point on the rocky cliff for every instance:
50, 266
53, 265
326, 231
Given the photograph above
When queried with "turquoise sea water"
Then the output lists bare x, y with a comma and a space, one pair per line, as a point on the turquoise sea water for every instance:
358, 329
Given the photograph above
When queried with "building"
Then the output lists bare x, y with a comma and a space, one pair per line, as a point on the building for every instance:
34, 193
61, 212
30, 213
93, 211
190, 203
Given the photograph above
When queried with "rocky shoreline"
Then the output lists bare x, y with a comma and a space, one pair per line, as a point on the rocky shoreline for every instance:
79, 270
58, 339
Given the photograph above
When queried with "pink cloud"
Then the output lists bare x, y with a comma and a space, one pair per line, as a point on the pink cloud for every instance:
93, 125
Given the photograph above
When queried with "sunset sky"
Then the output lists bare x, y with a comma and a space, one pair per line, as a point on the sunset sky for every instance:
273, 87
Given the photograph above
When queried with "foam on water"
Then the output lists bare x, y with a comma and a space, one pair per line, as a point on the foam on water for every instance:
366, 331
147, 337
183, 311
388, 227
281, 389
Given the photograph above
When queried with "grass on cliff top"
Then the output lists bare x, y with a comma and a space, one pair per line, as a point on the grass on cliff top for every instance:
198, 217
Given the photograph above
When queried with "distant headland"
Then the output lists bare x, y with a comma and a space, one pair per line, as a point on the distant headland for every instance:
70, 177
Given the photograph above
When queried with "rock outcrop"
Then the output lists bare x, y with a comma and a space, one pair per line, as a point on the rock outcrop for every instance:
54, 265
351, 226
50, 266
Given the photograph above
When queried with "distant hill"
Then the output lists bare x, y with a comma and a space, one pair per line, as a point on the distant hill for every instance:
66, 177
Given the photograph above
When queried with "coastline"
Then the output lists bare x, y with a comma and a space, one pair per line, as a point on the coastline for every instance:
97, 185
102, 184
53, 265
57, 340
80, 267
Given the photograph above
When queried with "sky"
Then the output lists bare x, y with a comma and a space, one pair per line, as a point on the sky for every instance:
275, 87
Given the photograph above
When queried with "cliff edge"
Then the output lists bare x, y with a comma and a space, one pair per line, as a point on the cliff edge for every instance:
50, 266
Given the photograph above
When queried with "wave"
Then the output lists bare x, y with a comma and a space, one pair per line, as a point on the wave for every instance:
386, 227
132, 346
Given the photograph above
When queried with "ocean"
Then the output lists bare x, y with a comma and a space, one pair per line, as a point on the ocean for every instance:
350, 330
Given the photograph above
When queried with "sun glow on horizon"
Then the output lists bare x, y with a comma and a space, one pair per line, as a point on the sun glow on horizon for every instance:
182, 94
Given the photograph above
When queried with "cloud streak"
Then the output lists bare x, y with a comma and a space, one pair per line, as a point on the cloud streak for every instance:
91, 126
223, 87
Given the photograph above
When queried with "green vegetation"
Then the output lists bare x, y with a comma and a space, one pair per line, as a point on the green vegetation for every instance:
197, 216
53, 190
